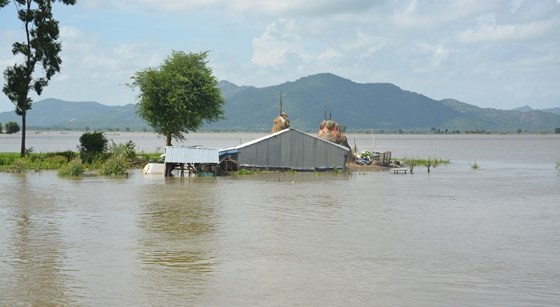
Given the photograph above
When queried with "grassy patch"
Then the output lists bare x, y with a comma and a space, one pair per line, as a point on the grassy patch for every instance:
245, 171
7, 158
74, 168
432, 162
68, 163
145, 157
35, 161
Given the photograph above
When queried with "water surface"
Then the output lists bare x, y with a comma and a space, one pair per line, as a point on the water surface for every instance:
455, 236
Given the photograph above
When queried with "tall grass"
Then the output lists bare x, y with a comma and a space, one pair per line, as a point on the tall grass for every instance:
7, 158
115, 166
11, 162
74, 168
425, 162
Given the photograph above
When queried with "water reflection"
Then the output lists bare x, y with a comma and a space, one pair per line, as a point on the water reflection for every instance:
178, 226
34, 247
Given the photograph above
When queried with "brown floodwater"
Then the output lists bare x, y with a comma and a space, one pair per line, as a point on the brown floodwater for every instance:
455, 236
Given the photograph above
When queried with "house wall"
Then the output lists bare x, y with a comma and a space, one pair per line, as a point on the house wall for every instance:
293, 149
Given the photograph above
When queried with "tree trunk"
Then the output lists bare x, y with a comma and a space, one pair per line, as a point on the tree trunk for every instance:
168, 140
23, 114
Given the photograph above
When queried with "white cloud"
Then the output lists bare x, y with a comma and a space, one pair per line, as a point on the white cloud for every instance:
424, 16
436, 54
329, 53
249, 7
439, 55
516, 5
550, 60
298, 7
492, 32
272, 48
181, 5
362, 43
94, 69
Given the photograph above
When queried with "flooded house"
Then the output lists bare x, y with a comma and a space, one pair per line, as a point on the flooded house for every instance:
288, 149
191, 159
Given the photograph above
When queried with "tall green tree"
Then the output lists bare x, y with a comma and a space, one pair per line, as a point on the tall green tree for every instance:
179, 96
40, 46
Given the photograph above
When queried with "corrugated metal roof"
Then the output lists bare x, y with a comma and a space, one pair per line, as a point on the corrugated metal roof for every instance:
274, 135
191, 155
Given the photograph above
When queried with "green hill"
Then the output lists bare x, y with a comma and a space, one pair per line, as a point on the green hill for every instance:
358, 106
475, 118
307, 101
78, 115
553, 110
381, 106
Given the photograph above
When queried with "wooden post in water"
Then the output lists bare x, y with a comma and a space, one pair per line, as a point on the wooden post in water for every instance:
429, 163
373, 139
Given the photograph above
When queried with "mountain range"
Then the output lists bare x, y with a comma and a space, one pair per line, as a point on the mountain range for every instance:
307, 101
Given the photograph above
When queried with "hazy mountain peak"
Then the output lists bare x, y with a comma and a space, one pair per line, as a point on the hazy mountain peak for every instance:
523, 109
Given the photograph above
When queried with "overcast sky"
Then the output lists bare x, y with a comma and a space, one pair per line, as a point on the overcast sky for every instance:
490, 53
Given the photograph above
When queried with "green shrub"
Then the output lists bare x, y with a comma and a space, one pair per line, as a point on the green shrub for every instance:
73, 168
245, 171
126, 150
92, 144
114, 166
17, 166
52, 162
12, 127
69, 155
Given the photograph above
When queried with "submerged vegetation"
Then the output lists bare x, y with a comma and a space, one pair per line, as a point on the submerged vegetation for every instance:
245, 171
435, 162
11, 162
69, 163
94, 156
73, 168
424, 162
115, 166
